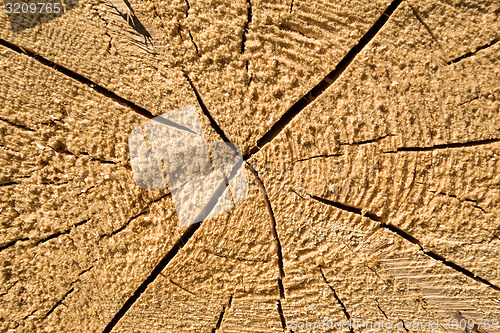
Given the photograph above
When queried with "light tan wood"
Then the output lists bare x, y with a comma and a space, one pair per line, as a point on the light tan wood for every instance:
377, 198
78, 235
286, 53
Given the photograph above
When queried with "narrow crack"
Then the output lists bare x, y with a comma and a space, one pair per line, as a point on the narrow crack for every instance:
400, 232
383, 312
54, 183
194, 43
126, 224
426, 26
62, 149
12, 243
28, 315
291, 6
20, 126
474, 202
244, 36
344, 144
88, 189
188, 7
95, 159
213, 123
366, 141
273, 229
77, 77
296, 193
470, 54
45, 239
58, 234
471, 100
9, 184
177, 285
59, 302
342, 306
320, 88
447, 146
81, 273
317, 156
86, 270
15, 181
404, 325
223, 312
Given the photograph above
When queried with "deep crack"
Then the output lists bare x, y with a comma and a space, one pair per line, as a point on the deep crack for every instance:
223, 312
77, 77
320, 88
213, 123
152, 276
281, 314
245, 27
342, 306
470, 54
133, 21
183, 240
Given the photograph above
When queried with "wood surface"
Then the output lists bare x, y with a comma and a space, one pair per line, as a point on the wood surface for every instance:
371, 137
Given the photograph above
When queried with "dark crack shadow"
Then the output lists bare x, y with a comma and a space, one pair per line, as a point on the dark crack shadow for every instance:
383, 223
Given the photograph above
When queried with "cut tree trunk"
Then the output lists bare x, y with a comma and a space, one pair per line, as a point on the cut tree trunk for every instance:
371, 137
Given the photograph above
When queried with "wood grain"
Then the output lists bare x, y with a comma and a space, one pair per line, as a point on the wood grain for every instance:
371, 137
